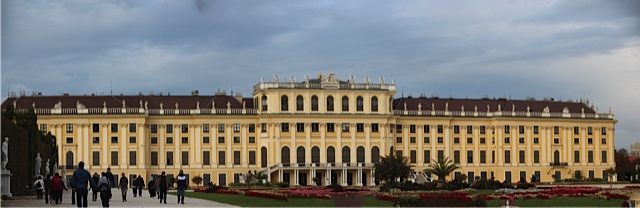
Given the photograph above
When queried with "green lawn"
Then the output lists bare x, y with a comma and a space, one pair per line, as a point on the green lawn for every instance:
249, 201
560, 202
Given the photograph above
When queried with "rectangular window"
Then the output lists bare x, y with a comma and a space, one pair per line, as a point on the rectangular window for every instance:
425, 129
252, 128
592, 174
604, 131
521, 129
220, 128
185, 158
114, 157
206, 158
360, 127
132, 128
132, 158
521, 156
205, 128
521, 140
507, 156
483, 156
154, 128
315, 127
456, 156
252, 139
43, 128
185, 140
132, 139
412, 156
263, 127
590, 141
95, 140
220, 140
440, 154
284, 127
412, 128
154, 158
536, 130
184, 128
96, 158
236, 157
440, 140
536, 156
206, 140
507, 129
469, 140
556, 130
299, 127
427, 156
469, 156
169, 157
576, 140
507, 140
556, 140
114, 139
236, 128
222, 160
507, 176
330, 127
536, 140
169, 128
456, 129
252, 157
398, 128
440, 129
590, 130
576, 130
469, 129
69, 128
456, 140
412, 140
398, 139
236, 139
483, 140
604, 141
114, 128
604, 156
154, 140
374, 127
95, 127
483, 130
426, 140
345, 127
576, 156
169, 140
590, 156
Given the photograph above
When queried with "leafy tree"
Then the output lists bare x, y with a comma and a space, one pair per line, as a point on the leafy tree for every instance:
197, 180
442, 168
611, 172
578, 175
624, 166
392, 167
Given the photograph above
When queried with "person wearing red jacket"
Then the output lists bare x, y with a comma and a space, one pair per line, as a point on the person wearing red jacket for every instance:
56, 188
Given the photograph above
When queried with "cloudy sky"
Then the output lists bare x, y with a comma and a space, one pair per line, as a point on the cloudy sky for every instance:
516, 48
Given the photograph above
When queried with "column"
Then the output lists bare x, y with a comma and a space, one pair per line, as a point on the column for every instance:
143, 153
162, 152
105, 150
195, 152
295, 177
124, 152
79, 148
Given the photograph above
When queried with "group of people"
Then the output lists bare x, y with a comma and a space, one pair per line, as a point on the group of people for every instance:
101, 185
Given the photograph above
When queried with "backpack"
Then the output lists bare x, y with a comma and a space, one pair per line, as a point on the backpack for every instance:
38, 185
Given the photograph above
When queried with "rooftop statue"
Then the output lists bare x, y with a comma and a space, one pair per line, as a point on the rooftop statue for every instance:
5, 153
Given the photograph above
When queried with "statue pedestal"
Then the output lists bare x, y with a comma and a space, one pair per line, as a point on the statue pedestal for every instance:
6, 183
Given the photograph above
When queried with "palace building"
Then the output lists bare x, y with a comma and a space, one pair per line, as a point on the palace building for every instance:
324, 128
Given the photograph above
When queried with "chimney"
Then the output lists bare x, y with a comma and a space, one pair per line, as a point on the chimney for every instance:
239, 97
194, 93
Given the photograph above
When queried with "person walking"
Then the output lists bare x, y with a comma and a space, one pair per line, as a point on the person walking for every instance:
162, 187
79, 180
182, 186
39, 185
110, 177
105, 190
96, 179
139, 183
56, 189
152, 188
47, 188
124, 182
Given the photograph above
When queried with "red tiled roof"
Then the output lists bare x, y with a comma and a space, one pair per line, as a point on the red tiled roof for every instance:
493, 104
152, 102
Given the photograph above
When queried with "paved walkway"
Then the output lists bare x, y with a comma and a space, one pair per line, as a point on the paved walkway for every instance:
116, 201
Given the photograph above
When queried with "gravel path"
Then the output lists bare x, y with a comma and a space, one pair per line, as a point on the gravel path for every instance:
116, 201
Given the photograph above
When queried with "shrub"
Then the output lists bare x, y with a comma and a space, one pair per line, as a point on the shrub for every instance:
525, 185
477, 202
486, 184
334, 187
212, 189
282, 184
455, 185
408, 201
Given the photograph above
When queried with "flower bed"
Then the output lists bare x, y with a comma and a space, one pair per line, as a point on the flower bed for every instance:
224, 191
265, 194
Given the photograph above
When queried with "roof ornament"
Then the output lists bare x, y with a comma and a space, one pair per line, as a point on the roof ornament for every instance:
244, 104
528, 109
405, 105
228, 105
381, 80
292, 79
433, 106
488, 108
419, 106
33, 105
446, 106
176, 105
161, 106
582, 110
565, 110
366, 80
546, 109
261, 79
104, 104
597, 109
198, 104
475, 108
352, 80
499, 107
78, 105
513, 107
141, 103
462, 108
213, 105
124, 103
146, 105
276, 79
58, 105
306, 79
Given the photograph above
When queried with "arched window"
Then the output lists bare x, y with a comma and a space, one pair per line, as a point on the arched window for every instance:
359, 104
264, 103
285, 154
330, 103
331, 155
300, 153
556, 157
314, 103
374, 104
375, 154
346, 154
284, 103
263, 157
345, 103
315, 155
69, 160
360, 154
299, 103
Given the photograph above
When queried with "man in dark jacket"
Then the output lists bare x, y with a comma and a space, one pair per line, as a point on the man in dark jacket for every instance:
79, 181
112, 180
124, 182
47, 188
152, 187
96, 179
182, 186
162, 187
139, 183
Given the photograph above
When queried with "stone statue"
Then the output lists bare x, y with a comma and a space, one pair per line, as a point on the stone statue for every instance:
513, 107
38, 164
276, 79
228, 105
124, 104
55, 168
176, 105
475, 108
47, 171
5, 153
161, 106
140, 103
58, 105
104, 104
79, 105
405, 106
499, 107
419, 106
546, 109
462, 108
446, 106
146, 105
244, 104
64, 174
198, 104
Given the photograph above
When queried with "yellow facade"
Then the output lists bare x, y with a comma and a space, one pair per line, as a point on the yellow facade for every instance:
549, 138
